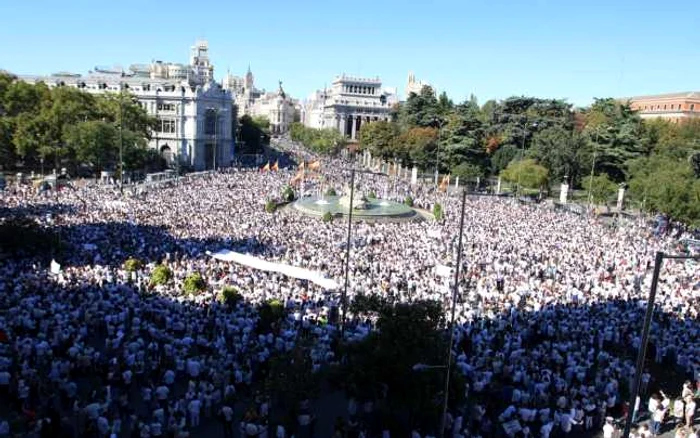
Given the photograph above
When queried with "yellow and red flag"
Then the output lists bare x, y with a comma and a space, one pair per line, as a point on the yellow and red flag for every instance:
302, 165
266, 168
444, 183
276, 166
315, 165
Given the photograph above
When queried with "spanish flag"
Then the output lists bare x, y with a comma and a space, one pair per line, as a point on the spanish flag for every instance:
297, 178
316, 165
276, 166
302, 165
266, 168
444, 183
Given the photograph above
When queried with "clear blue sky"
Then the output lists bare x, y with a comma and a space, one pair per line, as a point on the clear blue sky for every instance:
497, 48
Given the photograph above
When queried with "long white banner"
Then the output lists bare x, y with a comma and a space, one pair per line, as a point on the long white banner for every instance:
264, 265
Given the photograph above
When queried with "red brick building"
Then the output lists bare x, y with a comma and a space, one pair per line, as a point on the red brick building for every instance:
675, 107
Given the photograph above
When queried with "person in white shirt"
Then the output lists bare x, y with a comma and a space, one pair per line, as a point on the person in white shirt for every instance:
689, 411
608, 428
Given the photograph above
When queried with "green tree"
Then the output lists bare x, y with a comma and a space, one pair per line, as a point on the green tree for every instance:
600, 187
262, 122
161, 275
418, 145
437, 211
462, 139
270, 206
194, 284
526, 173
421, 110
614, 133
557, 149
380, 138
668, 185
230, 296
93, 142
407, 334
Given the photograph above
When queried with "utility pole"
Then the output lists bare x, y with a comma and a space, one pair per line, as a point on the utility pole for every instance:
660, 256
344, 298
455, 290
121, 139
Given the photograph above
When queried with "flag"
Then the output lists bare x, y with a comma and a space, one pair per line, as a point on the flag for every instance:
315, 165
266, 168
297, 178
276, 166
444, 183
302, 165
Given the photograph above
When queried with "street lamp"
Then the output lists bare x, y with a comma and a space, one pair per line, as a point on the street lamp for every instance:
439, 124
455, 290
660, 257
344, 296
522, 153
121, 138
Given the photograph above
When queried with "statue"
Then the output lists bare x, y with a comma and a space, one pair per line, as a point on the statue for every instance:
359, 201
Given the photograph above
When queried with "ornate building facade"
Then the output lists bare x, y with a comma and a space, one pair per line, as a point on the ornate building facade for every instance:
276, 106
415, 86
348, 104
675, 107
195, 114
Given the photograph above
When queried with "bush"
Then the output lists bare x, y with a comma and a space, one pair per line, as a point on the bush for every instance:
371, 195
194, 284
270, 314
132, 264
327, 217
288, 194
437, 211
331, 192
408, 201
270, 206
230, 296
161, 275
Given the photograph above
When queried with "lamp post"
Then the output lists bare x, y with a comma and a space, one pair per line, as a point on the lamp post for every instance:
344, 295
522, 153
121, 139
660, 257
590, 179
455, 290
439, 124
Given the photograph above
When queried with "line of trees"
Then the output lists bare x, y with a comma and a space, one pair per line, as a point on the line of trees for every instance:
71, 127
542, 142
322, 141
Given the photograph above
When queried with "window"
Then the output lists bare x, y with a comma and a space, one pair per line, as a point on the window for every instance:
166, 126
664, 107
673, 106
692, 107
166, 107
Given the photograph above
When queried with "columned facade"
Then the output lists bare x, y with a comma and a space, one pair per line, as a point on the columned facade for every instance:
350, 103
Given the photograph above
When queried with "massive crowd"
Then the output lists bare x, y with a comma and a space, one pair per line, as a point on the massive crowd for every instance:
553, 308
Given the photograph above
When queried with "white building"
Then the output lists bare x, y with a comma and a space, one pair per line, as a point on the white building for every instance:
195, 114
349, 103
277, 106
414, 86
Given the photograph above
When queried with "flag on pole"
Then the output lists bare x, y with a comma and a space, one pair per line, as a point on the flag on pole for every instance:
444, 183
266, 168
276, 166
315, 165
302, 165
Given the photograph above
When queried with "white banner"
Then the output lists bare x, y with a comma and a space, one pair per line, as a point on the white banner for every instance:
264, 265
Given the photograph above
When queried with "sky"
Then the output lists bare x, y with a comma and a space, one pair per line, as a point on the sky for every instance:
574, 50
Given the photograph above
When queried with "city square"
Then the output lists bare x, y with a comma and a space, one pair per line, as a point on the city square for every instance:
187, 253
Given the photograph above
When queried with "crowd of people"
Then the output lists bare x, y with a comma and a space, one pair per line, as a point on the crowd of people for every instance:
548, 319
